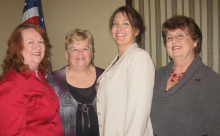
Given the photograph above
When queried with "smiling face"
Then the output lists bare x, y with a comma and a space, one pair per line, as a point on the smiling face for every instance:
183, 47
33, 48
122, 32
79, 54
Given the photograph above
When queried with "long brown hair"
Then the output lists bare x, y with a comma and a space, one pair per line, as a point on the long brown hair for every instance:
14, 58
134, 18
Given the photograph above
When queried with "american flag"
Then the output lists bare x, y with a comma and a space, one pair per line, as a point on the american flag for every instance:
33, 13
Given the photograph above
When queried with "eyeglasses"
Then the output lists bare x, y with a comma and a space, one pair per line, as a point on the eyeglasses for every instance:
177, 37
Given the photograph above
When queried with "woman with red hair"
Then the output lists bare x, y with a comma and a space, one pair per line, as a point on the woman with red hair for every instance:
28, 104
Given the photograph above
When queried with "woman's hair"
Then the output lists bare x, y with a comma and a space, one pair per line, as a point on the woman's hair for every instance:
183, 22
14, 58
133, 17
78, 35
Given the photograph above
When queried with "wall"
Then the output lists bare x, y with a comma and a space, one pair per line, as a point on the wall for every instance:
10, 15
60, 18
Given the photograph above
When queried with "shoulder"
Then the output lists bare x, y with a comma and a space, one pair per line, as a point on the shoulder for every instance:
208, 75
137, 50
208, 71
15, 77
57, 78
203, 71
139, 60
9, 77
139, 55
166, 68
15, 81
207, 82
161, 70
162, 73
8, 80
99, 71
56, 73
59, 71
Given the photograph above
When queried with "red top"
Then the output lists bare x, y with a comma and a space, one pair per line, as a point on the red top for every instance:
28, 106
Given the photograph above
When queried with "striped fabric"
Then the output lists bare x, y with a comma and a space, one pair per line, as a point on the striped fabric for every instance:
33, 13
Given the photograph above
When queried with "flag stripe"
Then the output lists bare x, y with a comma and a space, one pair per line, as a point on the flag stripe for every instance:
31, 13
33, 20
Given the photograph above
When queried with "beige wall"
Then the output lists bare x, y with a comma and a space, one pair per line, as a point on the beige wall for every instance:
61, 17
10, 15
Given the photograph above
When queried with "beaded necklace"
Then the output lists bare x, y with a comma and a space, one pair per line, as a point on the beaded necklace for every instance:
175, 77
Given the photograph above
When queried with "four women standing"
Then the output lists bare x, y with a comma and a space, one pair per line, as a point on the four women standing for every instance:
186, 92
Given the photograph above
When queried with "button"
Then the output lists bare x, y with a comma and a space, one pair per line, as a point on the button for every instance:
56, 110
98, 100
51, 98
45, 87
99, 113
100, 125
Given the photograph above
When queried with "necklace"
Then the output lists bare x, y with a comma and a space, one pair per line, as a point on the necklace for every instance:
175, 77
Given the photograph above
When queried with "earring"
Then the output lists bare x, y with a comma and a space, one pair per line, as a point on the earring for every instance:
195, 51
170, 57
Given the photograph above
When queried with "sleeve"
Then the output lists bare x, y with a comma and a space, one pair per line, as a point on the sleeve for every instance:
13, 105
215, 129
140, 84
211, 106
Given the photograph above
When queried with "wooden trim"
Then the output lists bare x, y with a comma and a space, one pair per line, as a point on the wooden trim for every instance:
129, 3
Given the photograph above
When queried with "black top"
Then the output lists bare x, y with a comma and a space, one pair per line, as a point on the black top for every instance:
86, 117
83, 95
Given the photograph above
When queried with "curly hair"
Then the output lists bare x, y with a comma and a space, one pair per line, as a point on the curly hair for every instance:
78, 35
14, 58
183, 22
134, 18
